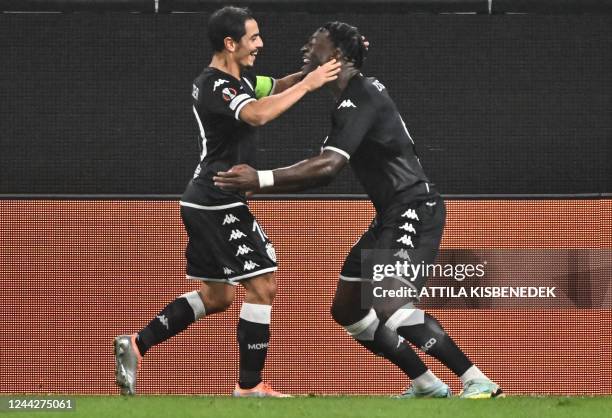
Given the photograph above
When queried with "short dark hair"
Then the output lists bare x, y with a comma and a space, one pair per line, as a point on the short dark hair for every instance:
228, 21
348, 39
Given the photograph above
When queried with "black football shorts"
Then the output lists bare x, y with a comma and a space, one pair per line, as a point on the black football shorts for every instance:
226, 244
405, 231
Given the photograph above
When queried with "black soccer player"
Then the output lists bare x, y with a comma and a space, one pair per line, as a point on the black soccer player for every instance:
368, 132
226, 244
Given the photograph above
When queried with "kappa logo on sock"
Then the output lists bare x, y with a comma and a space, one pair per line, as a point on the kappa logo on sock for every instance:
258, 346
400, 340
429, 344
406, 240
410, 214
164, 321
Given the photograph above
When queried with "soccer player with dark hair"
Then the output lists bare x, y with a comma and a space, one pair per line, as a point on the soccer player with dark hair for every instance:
368, 131
226, 244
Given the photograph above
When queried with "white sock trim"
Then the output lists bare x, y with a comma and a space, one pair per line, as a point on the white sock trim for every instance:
365, 328
425, 381
471, 374
252, 312
404, 318
195, 301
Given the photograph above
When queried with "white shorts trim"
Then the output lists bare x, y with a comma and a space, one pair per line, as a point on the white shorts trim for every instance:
220, 207
233, 280
354, 279
339, 151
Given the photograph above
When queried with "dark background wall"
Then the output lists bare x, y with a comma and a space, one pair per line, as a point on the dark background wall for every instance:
100, 103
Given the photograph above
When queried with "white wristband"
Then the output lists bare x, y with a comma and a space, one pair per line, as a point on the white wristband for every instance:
266, 178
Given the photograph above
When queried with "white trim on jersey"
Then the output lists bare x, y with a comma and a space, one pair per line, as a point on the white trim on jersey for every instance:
202, 134
237, 115
220, 207
339, 151
246, 80
236, 101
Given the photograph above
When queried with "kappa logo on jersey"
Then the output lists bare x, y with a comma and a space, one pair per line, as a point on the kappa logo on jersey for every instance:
410, 214
230, 219
430, 204
380, 86
219, 83
346, 103
228, 93
243, 249
271, 251
408, 227
236, 234
250, 265
406, 240
403, 254
227, 271
195, 92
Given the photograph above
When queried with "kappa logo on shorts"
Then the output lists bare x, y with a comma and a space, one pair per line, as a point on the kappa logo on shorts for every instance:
230, 219
406, 240
244, 249
410, 214
236, 234
408, 227
227, 271
250, 265
403, 254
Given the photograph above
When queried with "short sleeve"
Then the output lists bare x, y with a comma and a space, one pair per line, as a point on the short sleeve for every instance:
224, 96
351, 121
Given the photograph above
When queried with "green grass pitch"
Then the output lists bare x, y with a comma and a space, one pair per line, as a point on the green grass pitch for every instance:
329, 406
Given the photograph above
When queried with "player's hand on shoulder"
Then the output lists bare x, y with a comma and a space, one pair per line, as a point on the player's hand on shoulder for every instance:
322, 75
240, 177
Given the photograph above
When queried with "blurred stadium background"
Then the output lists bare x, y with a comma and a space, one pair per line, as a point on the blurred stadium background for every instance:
511, 114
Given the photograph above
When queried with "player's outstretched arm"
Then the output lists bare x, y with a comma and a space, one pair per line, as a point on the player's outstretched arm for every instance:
284, 83
313, 172
259, 112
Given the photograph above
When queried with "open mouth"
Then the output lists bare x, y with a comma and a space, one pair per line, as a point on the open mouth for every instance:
254, 53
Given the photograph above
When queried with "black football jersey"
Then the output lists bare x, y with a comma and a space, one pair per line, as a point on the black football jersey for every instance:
224, 139
369, 131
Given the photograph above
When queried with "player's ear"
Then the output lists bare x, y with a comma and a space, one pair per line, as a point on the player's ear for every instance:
230, 44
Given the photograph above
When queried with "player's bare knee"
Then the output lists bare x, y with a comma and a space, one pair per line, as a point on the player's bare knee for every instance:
260, 290
217, 298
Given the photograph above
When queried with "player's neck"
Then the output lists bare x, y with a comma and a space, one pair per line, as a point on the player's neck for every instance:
223, 62
345, 76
